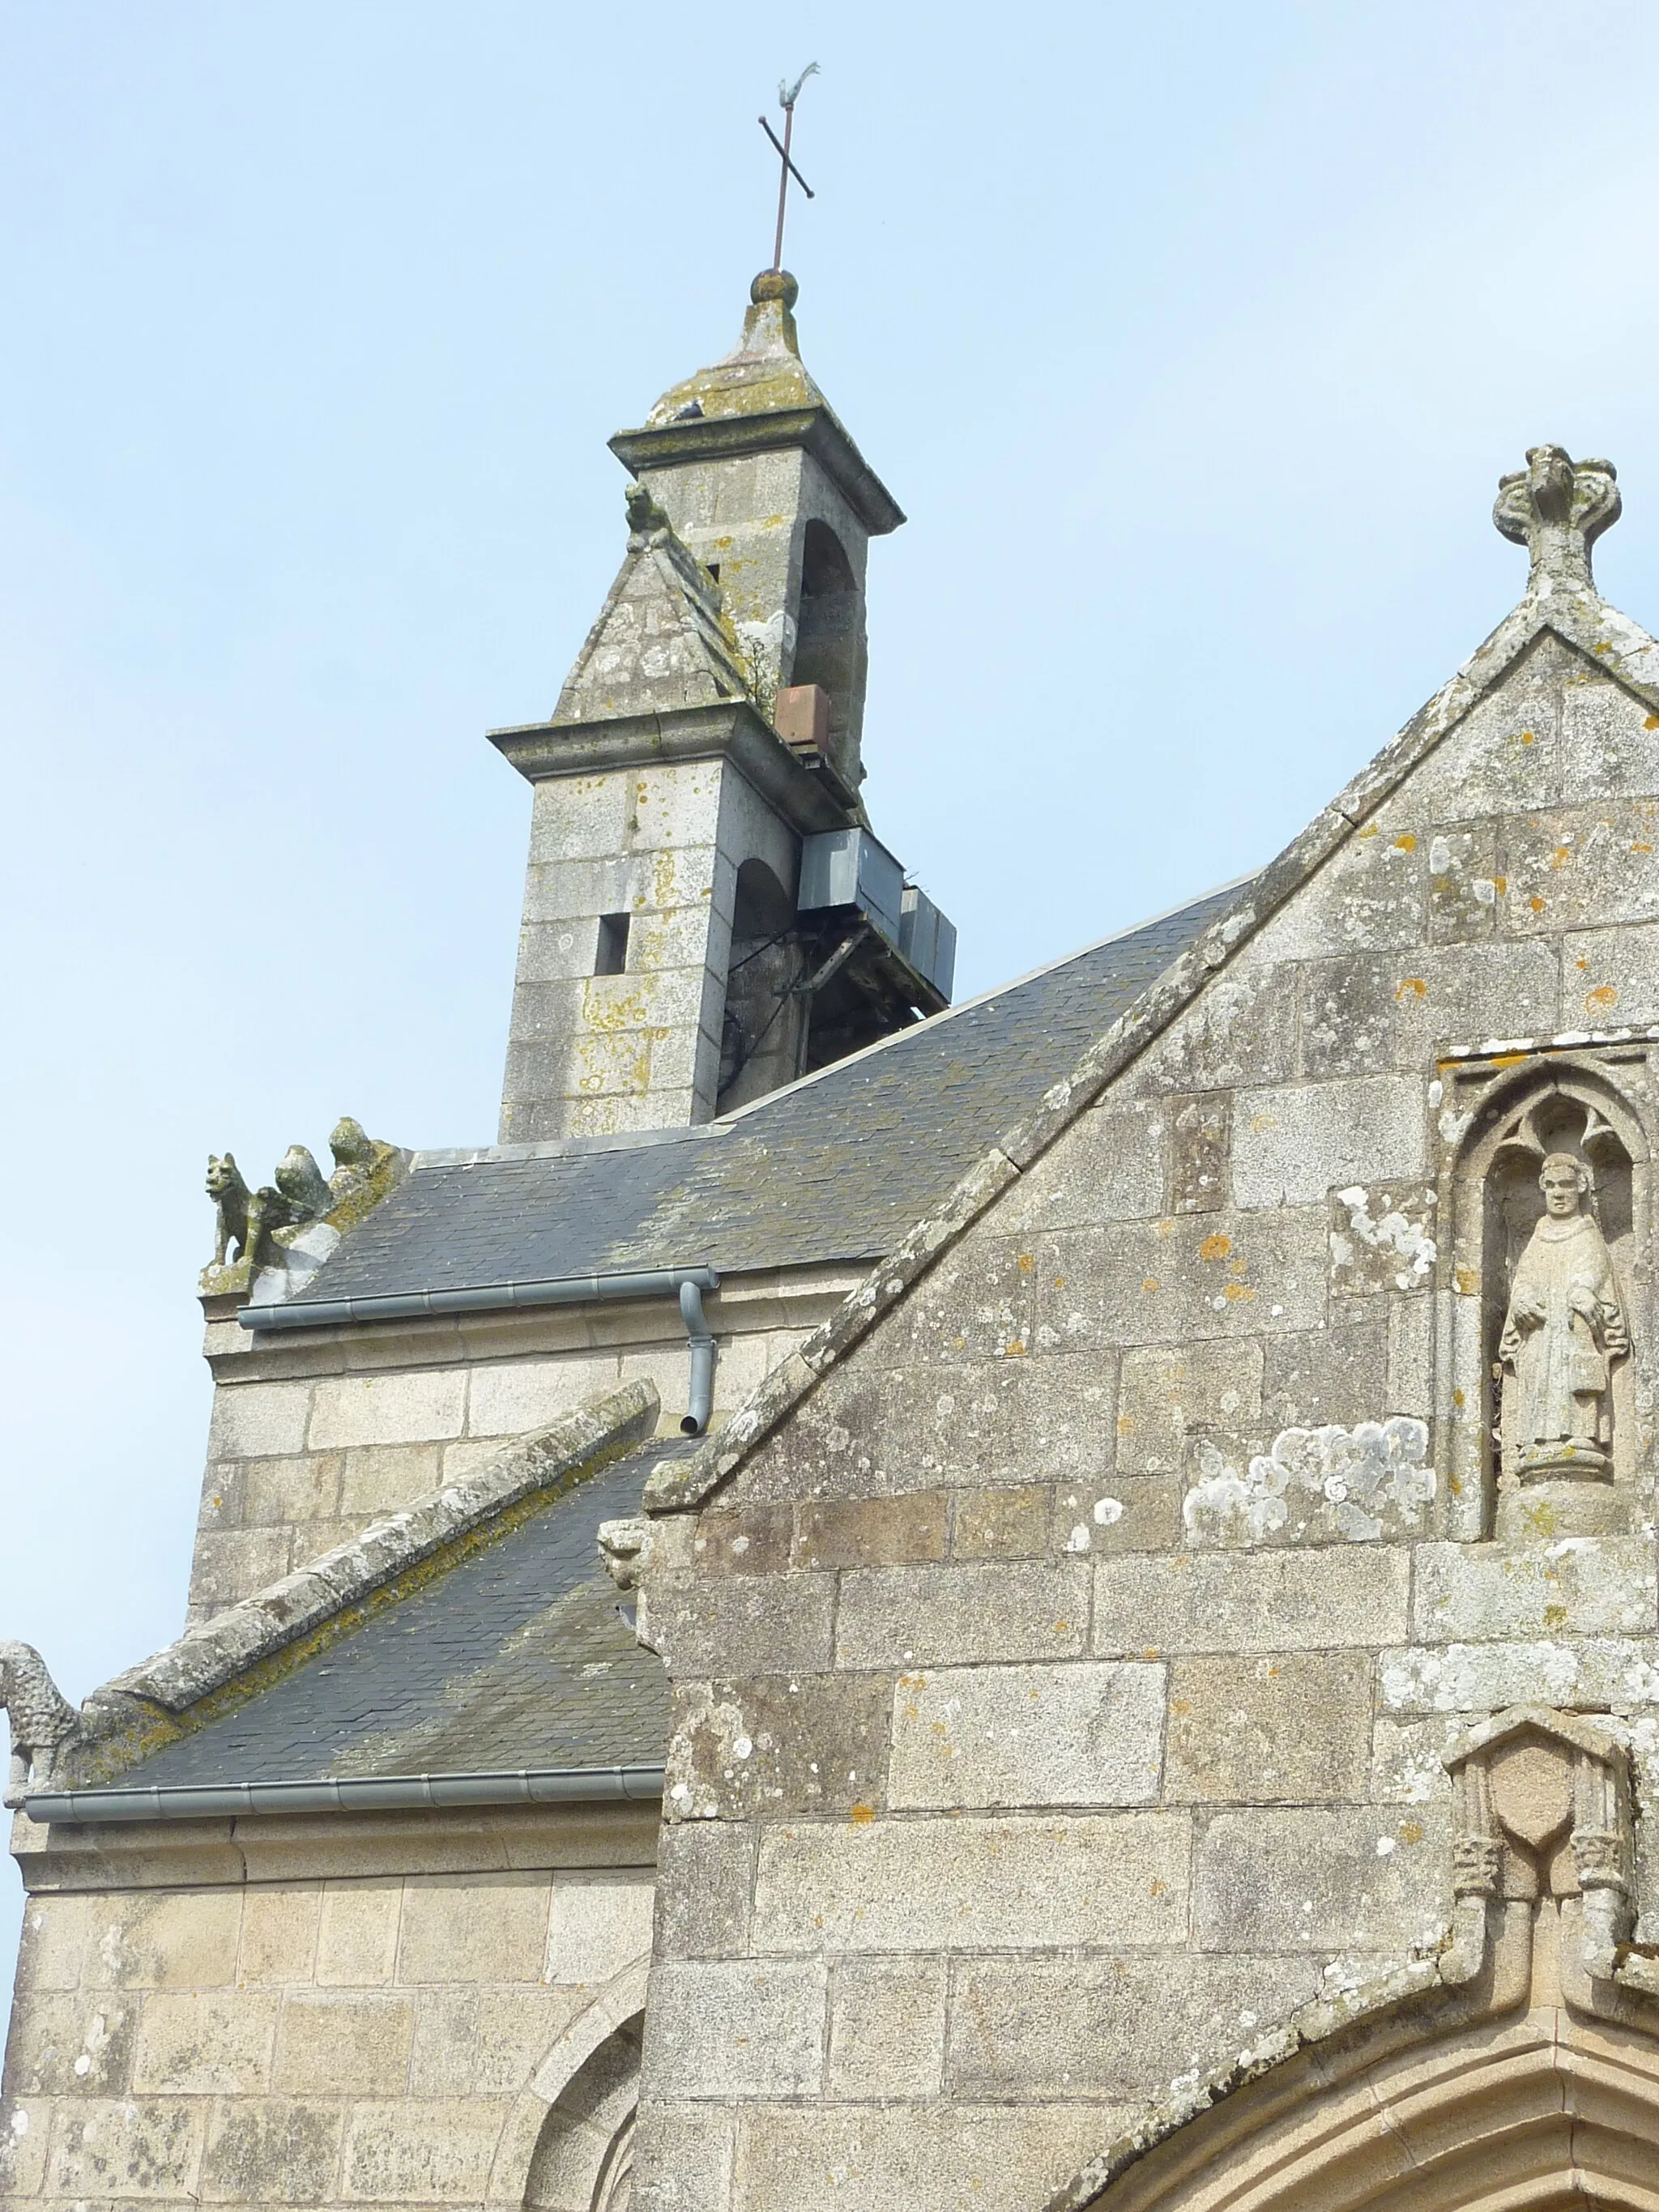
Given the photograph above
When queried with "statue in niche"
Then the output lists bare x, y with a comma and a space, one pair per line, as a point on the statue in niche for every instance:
1564, 1328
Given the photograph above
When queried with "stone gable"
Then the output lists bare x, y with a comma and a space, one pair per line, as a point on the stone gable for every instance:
1062, 1679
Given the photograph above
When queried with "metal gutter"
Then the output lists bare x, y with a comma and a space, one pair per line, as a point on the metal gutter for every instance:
217, 1801
687, 1284
482, 1298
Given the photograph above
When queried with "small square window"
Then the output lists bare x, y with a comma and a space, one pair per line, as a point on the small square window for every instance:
611, 957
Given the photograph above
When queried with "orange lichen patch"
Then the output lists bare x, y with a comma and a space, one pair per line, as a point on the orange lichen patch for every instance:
1027, 1261
1604, 996
1164, 1228
1529, 737
1457, 1397
1150, 1283
1016, 1350
1215, 1246
860, 1816
1126, 1422
1580, 963
1469, 1280
1059, 1282
1508, 1058
1405, 843
1651, 722
1641, 848
1560, 856
1412, 986
1237, 1291
1536, 903
1411, 1831
1370, 829
1604, 648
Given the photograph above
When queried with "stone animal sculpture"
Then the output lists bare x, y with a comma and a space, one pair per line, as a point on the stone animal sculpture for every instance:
303, 1185
41, 1716
242, 1216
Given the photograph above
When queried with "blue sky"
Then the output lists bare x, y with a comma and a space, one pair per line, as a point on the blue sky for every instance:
1192, 339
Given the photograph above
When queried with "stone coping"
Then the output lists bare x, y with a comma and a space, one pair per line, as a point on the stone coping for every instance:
289, 1615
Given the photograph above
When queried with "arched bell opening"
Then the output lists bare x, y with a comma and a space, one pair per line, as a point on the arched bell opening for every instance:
763, 1032
829, 641
584, 2156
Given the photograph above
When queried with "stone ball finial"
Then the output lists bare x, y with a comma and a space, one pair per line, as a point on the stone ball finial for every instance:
775, 284
1557, 508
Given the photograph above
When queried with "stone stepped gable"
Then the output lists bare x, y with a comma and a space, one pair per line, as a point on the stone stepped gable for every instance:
1145, 1697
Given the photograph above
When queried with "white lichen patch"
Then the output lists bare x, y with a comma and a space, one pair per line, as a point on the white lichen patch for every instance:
1315, 1484
1382, 1240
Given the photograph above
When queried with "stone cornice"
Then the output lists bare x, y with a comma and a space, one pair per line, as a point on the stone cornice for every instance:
809, 799
815, 430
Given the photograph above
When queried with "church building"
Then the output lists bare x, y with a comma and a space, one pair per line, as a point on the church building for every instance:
1047, 1604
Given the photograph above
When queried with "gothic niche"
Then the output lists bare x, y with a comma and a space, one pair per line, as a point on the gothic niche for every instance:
1558, 1239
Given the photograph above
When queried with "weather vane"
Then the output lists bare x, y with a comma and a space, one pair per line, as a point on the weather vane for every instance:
787, 95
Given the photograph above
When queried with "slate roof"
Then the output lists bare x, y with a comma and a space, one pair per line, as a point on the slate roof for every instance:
839, 1166
517, 1657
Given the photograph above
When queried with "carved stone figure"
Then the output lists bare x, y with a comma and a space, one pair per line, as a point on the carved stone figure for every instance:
303, 1185
40, 1715
1563, 1328
241, 1211
278, 1226
365, 1170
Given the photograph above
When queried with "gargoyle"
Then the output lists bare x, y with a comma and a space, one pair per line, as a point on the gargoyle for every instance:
244, 1214
303, 1185
365, 1170
41, 1716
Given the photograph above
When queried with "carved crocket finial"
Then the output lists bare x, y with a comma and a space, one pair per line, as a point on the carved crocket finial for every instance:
1557, 508
41, 1716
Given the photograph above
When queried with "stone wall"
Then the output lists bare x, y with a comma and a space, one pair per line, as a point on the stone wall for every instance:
1061, 1690
592, 1054
363, 2037
305, 1450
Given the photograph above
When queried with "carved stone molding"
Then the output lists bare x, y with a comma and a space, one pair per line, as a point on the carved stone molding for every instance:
1542, 1810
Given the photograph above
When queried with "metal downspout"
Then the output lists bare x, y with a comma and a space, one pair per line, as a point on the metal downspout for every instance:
702, 1342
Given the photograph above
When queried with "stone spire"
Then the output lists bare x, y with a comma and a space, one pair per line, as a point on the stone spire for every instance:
1557, 508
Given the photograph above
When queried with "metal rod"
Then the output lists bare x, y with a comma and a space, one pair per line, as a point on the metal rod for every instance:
550, 1786
783, 185
793, 171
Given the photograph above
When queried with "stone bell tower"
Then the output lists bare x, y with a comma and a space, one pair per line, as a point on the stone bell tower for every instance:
674, 960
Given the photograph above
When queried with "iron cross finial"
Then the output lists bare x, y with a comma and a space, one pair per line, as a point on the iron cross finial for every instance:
787, 95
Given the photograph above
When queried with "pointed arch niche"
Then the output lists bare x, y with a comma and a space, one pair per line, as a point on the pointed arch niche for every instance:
1502, 1116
